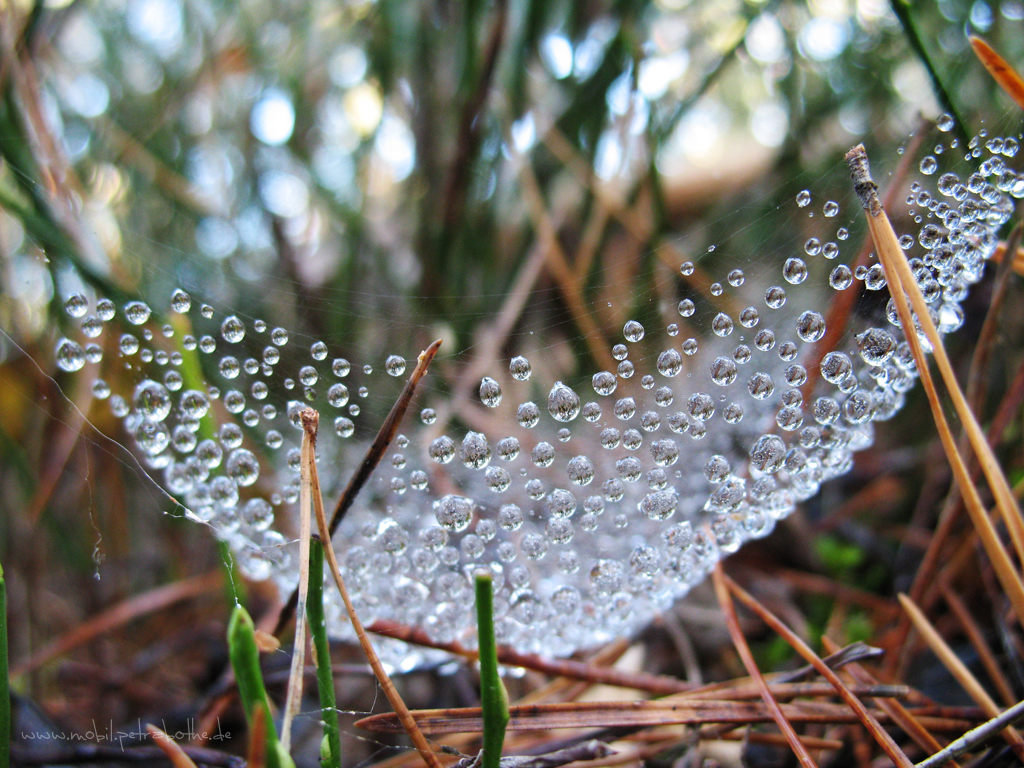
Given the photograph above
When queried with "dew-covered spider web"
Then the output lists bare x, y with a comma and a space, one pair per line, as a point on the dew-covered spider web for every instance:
596, 494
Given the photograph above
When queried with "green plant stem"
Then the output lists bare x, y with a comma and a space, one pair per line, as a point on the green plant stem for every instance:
322, 655
245, 660
5, 693
493, 696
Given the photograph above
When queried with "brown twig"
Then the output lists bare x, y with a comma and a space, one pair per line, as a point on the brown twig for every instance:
739, 642
369, 463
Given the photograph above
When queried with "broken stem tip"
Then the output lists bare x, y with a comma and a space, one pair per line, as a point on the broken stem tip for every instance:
310, 422
866, 189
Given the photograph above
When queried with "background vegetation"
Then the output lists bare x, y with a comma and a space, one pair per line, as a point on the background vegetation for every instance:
503, 175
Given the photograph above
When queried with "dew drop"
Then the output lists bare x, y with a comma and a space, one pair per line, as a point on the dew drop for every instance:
152, 400
686, 308
633, 331
722, 325
841, 278
137, 312
181, 302
475, 452
442, 449
581, 470
723, 371
232, 330
775, 297
242, 467
70, 355
527, 415
490, 392
929, 165
831, 209
604, 383
395, 365
453, 513
318, 350
338, 395
563, 403
803, 198
795, 270
810, 326
519, 368
76, 305
670, 363
279, 337
128, 344
428, 415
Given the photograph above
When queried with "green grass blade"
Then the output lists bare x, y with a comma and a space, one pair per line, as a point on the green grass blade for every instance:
493, 696
324, 676
245, 660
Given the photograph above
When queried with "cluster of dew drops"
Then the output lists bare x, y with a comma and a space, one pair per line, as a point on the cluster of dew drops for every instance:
599, 505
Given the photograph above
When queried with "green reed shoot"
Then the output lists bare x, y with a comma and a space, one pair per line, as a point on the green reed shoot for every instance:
330, 751
245, 660
493, 696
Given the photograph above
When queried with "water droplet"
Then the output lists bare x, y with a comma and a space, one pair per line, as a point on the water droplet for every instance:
768, 454
841, 278
428, 415
775, 297
206, 311
686, 268
508, 449
475, 452
543, 454
453, 513
831, 209
137, 312
723, 371
344, 427
128, 344
929, 165
604, 383
581, 470
442, 449
810, 326
181, 302
717, 469
795, 270
633, 331
497, 479
670, 364
510, 517
152, 400
519, 368
736, 278
279, 337
395, 365
242, 467
686, 308
70, 355
76, 305
232, 330
490, 392
945, 122
876, 346
722, 325
835, 367
563, 403
527, 415
761, 386
701, 406
803, 198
